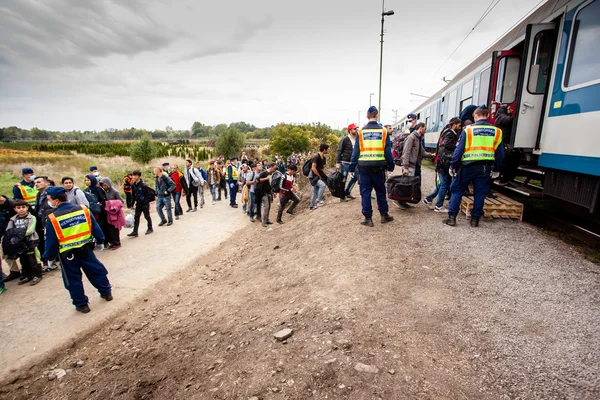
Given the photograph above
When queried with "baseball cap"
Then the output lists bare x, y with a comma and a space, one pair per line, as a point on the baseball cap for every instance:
26, 171
55, 191
352, 126
411, 116
372, 109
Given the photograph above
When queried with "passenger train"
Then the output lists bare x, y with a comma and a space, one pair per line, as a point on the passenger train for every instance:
548, 70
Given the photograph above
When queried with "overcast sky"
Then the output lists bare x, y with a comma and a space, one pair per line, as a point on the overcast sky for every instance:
97, 64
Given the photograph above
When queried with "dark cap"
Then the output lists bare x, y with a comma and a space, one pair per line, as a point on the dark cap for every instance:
26, 171
372, 109
165, 164
93, 168
55, 191
233, 158
411, 116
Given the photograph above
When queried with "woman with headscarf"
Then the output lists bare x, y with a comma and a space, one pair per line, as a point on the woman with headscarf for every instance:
115, 219
466, 116
92, 187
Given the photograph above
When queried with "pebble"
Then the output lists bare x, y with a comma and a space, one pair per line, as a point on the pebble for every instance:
116, 327
59, 373
213, 333
391, 372
115, 368
360, 367
79, 364
284, 334
253, 398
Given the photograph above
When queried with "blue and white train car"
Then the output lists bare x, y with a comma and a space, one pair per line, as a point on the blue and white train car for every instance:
548, 70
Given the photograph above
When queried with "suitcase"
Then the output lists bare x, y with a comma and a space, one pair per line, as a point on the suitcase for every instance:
404, 188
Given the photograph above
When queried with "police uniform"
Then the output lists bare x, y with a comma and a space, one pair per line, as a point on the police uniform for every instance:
26, 190
373, 154
479, 152
70, 231
231, 176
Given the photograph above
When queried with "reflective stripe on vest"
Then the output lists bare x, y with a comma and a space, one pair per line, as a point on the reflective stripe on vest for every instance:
481, 142
372, 144
73, 230
29, 193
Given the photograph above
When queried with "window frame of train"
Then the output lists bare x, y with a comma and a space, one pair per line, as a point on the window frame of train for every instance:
572, 48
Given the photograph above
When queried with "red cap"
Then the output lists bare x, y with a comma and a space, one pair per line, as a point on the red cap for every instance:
352, 126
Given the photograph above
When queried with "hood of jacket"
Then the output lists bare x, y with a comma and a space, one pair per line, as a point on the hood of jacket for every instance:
111, 193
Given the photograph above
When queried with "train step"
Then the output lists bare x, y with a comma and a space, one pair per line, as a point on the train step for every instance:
498, 207
522, 187
532, 171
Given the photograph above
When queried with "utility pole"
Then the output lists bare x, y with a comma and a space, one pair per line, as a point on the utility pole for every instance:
383, 15
395, 116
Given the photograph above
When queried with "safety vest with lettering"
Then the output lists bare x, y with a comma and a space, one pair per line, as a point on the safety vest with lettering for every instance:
234, 173
73, 228
28, 193
372, 147
481, 142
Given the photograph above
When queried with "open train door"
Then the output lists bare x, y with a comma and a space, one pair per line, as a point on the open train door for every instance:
506, 66
540, 42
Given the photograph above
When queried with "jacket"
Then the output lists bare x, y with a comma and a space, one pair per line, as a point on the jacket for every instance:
140, 193
344, 151
389, 159
215, 179
179, 178
26, 225
460, 149
505, 123
164, 185
412, 154
77, 197
114, 213
51, 245
111, 193
193, 177
7, 210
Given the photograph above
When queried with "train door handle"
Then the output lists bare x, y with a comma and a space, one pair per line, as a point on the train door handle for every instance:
525, 106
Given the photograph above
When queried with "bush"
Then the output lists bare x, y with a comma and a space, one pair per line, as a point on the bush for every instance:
288, 139
230, 142
144, 151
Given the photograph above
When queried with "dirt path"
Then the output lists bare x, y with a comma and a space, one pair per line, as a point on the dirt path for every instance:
38, 319
409, 310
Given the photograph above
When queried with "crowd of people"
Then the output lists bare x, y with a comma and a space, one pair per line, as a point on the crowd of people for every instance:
46, 225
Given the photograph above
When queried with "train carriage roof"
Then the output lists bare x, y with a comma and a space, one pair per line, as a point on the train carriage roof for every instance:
537, 16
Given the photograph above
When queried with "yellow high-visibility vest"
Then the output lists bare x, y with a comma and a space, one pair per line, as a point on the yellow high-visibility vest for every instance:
234, 173
372, 144
481, 142
29, 193
73, 229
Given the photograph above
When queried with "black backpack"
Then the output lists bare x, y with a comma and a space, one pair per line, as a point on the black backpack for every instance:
95, 207
307, 167
398, 147
276, 180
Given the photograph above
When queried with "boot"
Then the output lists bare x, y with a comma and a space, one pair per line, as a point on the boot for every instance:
451, 220
474, 222
385, 218
368, 221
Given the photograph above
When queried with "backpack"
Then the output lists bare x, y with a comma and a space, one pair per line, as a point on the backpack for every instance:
95, 207
307, 167
276, 180
398, 148
203, 173
149, 194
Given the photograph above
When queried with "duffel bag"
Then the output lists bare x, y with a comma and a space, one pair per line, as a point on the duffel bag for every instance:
404, 188
335, 182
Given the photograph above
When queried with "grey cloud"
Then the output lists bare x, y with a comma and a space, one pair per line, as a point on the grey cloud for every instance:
72, 33
245, 30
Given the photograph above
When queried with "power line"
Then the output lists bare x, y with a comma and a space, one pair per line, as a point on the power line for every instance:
487, 11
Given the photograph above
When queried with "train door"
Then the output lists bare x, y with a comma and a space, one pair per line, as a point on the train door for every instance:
540, 41
506, 66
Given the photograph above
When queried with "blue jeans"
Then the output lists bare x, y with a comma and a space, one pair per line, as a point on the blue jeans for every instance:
176, 200
373, 178
164, 201
232, 193
480, 175
213, 192
252, 204
345, 172
441, 188
318, 191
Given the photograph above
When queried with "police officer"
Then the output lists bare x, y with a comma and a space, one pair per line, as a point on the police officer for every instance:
25, 190
231, 176
479, 154
373, 154
412, 123
70, 231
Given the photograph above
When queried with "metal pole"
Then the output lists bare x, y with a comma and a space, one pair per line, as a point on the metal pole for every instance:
381, 57
358, 119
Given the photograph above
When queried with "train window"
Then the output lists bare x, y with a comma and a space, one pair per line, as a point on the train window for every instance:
540, 62
582, 64
484, 86
508, 75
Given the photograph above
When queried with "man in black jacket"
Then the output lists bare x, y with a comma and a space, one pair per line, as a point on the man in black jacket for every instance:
512, 158
343, 156
141, 200
164, 188
7, 211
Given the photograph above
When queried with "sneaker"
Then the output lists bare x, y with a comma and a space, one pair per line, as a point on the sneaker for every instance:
312, 208
321, 203
35, 281
440, 209
12, 276
24, 281
428, 202
107, 297
269, 223
149, 231
195, 209
342, 200
397, 204
2, 289
115, 247
292, 213
234, 206
188, 210
161, 223
52, 264
349, 196
83, 309
251, 219
169, 223
177, 217
132, 234
46, 270
201, 205
280, 222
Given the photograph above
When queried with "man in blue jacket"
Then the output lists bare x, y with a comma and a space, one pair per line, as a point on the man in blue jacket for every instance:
478, 155
373, 154
70, 232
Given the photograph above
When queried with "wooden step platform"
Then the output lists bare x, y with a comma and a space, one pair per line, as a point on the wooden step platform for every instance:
500, 207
